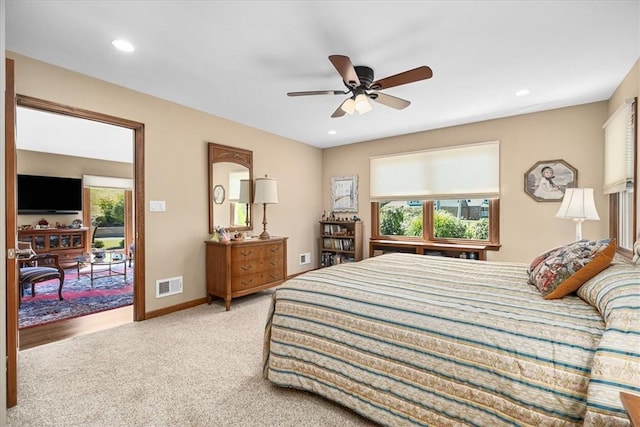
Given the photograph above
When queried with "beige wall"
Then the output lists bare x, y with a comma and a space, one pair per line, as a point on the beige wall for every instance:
176, 171
527, 227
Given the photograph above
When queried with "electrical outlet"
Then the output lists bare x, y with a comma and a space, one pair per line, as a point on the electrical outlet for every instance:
305, 258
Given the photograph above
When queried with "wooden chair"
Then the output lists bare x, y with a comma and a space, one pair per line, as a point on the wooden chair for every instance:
39, 268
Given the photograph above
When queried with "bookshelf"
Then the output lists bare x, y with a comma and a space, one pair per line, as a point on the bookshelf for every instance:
340, 241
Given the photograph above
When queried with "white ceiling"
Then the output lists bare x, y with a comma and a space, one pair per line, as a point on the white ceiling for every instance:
238, 59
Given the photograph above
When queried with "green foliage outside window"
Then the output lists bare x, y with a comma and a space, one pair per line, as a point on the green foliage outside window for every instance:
447, 225
398, 219
112, 211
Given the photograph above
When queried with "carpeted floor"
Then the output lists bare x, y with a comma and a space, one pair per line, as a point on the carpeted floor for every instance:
196, 367
79, 298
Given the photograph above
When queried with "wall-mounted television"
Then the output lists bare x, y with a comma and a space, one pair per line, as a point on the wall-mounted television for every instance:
49, 194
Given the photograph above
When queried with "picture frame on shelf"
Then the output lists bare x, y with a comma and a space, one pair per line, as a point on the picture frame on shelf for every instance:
344, 193
547, 180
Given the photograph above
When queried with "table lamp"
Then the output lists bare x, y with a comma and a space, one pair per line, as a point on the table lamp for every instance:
266, 192
578, 204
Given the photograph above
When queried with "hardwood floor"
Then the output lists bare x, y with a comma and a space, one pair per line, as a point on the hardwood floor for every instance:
45, 334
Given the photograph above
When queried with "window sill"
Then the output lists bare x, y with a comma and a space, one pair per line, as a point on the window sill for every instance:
462, 250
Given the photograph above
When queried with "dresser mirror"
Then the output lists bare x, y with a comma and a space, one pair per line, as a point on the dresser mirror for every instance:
230, 188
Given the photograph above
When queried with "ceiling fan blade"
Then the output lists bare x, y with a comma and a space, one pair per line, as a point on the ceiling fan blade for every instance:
417, 74
390, 101
318, 92
345, 68
340, 112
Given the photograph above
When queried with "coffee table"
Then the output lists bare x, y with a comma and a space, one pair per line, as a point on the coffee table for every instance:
108, 261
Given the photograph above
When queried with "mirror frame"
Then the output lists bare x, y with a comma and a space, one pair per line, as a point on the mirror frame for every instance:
223, 153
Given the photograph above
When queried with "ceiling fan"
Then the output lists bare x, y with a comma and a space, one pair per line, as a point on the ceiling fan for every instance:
359, 82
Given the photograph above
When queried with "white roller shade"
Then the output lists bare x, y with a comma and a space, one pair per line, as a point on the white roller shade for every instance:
467, 171
618, 149
107, 182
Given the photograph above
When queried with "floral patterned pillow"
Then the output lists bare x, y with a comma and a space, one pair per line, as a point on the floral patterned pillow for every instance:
540, 258
568, 267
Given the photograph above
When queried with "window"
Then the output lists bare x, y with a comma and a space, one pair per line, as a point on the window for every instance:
448, 195
619, 181
450, 221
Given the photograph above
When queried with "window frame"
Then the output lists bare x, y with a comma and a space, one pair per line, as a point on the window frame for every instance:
614, 206
492, 243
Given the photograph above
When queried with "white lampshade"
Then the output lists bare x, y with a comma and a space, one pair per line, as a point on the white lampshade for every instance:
578, 204
266, 191
245, 191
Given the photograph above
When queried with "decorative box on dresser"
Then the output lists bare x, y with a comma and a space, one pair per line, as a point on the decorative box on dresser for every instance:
242, 267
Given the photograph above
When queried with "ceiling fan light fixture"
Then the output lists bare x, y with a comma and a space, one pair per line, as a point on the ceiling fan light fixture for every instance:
349, 106
362, 104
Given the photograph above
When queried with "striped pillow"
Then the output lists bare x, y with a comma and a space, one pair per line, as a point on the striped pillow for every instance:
615, 293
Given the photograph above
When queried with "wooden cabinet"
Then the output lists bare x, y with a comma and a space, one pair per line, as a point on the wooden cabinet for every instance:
239, 268
379, 247
340, 241
68, 243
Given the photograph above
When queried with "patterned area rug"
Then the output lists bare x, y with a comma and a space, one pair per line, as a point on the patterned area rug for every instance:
79, 299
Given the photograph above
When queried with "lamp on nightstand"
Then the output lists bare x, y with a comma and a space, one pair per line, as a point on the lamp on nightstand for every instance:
578, 205
266, 192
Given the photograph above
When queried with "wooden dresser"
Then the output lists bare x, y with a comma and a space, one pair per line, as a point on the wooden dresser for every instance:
239, 268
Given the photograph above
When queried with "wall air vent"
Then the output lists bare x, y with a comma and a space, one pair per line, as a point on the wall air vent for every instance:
166, 287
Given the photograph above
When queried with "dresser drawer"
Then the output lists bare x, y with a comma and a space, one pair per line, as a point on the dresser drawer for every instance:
250, 281
241, 268
256, 252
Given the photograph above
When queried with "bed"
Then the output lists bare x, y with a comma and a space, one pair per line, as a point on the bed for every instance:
408, 339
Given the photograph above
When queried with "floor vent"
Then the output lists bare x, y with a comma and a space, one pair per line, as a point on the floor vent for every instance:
166, 287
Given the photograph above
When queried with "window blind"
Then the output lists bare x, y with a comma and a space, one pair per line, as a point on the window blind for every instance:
466, 171
618, 149
107, 182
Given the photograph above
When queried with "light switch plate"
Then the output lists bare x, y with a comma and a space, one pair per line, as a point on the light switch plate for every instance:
157, 206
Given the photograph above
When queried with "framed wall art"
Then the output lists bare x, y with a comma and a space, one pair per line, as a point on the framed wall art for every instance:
547, 180
344, 193
218, 194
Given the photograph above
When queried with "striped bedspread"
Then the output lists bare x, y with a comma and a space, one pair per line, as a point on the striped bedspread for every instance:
416, 340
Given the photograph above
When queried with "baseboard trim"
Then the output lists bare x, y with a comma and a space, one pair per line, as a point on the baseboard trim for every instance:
174, 308
193, 303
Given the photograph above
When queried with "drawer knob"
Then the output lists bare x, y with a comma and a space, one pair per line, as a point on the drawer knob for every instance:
246, 252
246, 282
246, 267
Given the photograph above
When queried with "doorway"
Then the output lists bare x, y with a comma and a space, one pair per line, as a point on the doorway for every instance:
132, 228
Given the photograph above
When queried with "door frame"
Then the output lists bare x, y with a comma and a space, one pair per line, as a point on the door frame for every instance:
138, 165
11, 237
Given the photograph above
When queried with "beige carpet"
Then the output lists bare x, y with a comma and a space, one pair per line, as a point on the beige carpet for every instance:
197, 367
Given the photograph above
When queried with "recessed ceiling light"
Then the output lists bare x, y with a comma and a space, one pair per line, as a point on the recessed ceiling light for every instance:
332, 132
523, 92
123, 45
